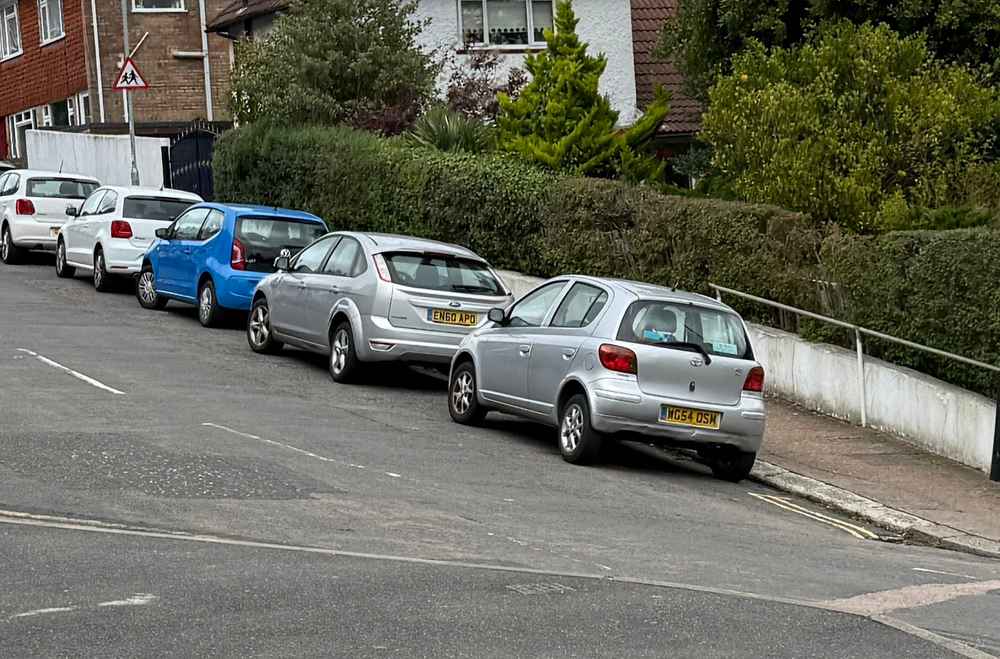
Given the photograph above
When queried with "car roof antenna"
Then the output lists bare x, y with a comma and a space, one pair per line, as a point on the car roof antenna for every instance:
61, 165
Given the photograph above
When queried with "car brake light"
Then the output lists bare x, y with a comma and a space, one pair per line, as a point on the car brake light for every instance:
237, 259
24, 207
121, 229
755, 380
382, 268
617, 358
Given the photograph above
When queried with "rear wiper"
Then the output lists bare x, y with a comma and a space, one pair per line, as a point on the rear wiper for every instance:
686, 345
459, 288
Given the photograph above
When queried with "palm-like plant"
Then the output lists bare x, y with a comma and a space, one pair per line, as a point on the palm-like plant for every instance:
446, 130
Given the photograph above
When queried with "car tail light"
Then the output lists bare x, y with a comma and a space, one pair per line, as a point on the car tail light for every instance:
755, 380
617, 358
24, 207
238, 259
382, 268
121, 229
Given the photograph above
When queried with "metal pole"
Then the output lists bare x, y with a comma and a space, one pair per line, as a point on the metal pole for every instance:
995, 466
128, 95
861, 378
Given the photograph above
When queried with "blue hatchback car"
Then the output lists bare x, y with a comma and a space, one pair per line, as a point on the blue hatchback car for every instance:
213, 255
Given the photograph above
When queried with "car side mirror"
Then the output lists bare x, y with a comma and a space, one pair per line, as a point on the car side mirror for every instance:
72, 211
163, 234
497, 315
281, 263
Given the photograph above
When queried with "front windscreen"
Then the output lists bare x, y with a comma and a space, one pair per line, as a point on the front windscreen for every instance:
439, 272
263, 238
59, 188
659, 323
164, 209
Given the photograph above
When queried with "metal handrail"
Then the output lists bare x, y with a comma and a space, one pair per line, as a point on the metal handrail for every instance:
859, 347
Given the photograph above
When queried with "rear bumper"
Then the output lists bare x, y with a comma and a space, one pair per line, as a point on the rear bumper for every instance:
30, 233
234, 288
619, 407
121, 257
401, 344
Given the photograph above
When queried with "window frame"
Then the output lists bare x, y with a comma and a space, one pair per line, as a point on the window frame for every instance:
15, 121
547, 317
16, 178
47, 4
565, 299
486, 45
159, 10
355, 271
190, 211
202, 236
112, 196
334, 241
5, 37
99, 195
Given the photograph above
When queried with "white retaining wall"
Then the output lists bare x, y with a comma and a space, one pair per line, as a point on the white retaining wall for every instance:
105, 157
934, 415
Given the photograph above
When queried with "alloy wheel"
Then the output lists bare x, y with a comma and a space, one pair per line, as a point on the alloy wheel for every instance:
462, 391
5, 245
572, 428
147, 291
60, 258
98, 270
259, 325
341, 345
205, 304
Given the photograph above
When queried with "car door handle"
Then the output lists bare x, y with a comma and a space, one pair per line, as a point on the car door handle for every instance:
568, 353
524, 351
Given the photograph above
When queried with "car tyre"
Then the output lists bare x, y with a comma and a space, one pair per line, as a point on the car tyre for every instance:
145, 290
344, 363
259, 334
732, 465
102, 280
63, 271
209, 311
579, 443
10, 253
463, 399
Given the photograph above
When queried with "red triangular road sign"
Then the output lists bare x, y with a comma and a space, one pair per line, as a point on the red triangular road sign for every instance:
129, 77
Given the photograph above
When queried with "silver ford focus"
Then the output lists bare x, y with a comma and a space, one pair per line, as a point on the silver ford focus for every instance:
601, 358
370, 297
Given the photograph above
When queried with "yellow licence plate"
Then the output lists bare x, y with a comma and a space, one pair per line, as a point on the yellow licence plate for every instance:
448, 317
685, 416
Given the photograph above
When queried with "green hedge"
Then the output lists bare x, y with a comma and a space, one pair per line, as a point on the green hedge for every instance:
936, 288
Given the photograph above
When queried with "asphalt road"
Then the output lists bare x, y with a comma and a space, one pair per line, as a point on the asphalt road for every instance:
434, 539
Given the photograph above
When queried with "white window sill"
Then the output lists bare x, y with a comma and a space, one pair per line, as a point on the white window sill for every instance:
52, 40
11, 56
152, 10
504, 48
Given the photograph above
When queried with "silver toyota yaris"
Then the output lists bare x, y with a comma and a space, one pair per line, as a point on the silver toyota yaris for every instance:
601, 357
370, 297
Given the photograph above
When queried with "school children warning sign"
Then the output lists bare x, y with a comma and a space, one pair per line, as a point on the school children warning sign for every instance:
129, 77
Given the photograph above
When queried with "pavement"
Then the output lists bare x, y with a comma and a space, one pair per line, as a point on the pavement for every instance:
880, 478
164, 491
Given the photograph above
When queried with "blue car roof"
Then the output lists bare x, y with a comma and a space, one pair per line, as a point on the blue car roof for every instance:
247, 209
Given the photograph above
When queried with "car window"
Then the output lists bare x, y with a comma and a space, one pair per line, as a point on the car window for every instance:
265, 237
311, 258
93, 201
11, 184
189, 224
212, 226
659, 323
3, 183
531, 310
580, 306
347, 259
154, 208
108, 203
440, 272
55, 188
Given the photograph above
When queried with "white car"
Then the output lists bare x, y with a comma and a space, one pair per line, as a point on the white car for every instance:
33, 206
113, 228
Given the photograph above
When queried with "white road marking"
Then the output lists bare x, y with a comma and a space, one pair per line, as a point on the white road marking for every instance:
139, 599
947, 574
858, 532
79, 376
41, 612
909, 597
289, 447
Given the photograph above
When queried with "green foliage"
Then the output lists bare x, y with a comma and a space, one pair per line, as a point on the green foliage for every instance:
475, 83
941, 219
850, 127
562, 121
704, 35
443, 129
336, 61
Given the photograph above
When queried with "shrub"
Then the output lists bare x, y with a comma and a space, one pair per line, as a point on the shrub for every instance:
474, 85
443, 129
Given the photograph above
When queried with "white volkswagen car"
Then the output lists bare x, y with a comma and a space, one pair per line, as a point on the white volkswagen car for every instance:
33, 206
111, 231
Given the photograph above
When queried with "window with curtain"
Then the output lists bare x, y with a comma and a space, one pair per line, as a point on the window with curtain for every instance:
504, 22
50, 19
10, 31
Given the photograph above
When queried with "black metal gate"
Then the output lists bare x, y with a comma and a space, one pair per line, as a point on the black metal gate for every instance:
190, 157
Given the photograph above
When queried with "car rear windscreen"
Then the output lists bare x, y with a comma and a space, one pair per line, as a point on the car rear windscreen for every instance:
59, 188
663, 323
263, 238
164, 209
441, 272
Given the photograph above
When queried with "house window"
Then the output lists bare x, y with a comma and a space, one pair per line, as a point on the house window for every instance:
50, 18
10, 31
59, 113
504, 22
17, 128
46, 116
84, 109
157, 5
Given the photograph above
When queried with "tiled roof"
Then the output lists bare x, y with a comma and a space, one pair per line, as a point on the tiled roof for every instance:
648, 17
241, 10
